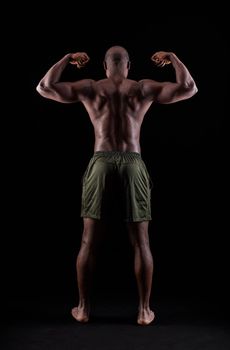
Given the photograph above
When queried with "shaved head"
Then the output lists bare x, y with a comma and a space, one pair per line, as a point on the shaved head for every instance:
116, 54
116, 62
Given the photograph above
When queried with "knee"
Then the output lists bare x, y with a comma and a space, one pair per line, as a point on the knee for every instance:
139, 239
141, 244
89, 242
86, 243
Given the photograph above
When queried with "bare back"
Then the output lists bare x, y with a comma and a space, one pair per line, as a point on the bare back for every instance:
117, 105
116, 111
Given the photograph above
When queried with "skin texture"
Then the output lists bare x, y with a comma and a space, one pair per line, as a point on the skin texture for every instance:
116, 107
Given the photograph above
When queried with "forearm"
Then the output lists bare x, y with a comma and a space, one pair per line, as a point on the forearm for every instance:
183, 76
54, 74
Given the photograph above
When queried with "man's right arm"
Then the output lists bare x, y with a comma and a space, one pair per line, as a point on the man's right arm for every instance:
169, 92
51, 87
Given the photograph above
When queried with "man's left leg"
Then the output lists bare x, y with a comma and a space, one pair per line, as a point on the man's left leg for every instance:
85, 264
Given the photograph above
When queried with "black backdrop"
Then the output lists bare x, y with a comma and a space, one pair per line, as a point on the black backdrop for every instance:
184, 146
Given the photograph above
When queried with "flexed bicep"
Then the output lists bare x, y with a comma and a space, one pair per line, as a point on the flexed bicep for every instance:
168, 92
67, 92
165, 92
51, 87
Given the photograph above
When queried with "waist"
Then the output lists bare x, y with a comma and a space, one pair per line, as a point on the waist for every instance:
117, 157
117, 153
107, 144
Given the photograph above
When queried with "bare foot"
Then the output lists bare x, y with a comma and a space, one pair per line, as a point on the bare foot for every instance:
80, 314
145, 316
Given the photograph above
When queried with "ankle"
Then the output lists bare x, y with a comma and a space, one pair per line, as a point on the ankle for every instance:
144, 307
83, 304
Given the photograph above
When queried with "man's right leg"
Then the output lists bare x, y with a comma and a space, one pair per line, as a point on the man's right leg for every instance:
84, 265
143, 267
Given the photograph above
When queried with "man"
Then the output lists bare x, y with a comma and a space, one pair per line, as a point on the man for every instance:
116, 107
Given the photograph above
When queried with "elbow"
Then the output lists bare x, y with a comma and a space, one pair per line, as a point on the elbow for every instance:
39, 88
195, 89
191, 88
43, 89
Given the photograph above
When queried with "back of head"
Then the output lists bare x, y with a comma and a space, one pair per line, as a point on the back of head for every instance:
116, 54
117, 60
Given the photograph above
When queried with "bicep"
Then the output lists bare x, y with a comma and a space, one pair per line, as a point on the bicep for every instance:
172, 92
68, 92
165, 92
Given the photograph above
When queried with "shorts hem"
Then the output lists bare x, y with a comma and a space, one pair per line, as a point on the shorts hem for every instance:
148, 218
91, 216
97, 217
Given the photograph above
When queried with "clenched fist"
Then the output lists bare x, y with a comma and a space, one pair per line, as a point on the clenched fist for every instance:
80, 59
161, 58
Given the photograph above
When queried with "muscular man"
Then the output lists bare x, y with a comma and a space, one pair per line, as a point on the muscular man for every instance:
116, 107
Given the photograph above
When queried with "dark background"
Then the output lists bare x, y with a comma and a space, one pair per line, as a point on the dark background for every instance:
184, 146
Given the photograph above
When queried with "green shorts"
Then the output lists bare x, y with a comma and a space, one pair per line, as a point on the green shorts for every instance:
116, 182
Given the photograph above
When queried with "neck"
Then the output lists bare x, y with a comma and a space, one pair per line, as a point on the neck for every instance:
116, 76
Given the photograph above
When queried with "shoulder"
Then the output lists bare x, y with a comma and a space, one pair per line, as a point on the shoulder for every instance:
131, 81
101, 82
149, 88
132, 85
144, 82
84, 88
83, 84
147, 85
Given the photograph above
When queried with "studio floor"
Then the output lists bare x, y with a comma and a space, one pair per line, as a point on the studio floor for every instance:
179, 324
